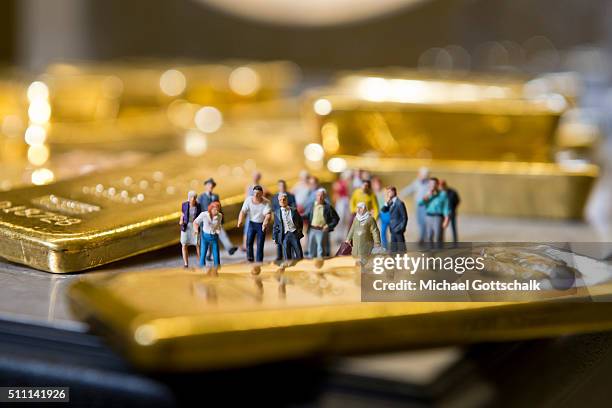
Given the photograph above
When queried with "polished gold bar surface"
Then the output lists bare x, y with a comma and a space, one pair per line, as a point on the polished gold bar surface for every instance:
142, 129
81, 91
96, 219
504, 130
171, 319
520, 189
64, 166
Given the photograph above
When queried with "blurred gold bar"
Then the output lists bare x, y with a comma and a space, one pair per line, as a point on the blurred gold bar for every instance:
504, 130
233, 83
84, 92
555, 190
454, 85
312, 308
96, 219
64, 166
147, 130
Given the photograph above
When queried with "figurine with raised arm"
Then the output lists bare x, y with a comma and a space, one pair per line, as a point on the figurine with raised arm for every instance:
398, 219
210, 224
190, 210
205, 199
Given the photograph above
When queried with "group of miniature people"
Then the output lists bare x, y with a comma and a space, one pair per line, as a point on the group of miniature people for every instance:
377, 217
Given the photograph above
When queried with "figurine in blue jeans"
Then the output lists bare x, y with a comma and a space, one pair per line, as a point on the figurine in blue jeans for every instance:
259, 211
210, 224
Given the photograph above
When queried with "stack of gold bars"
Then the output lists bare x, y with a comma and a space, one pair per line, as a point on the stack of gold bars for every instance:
113, 149
499, 142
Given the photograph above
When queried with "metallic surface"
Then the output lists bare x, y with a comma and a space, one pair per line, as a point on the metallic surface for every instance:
96, 219
100, 91
41, 297
238, 318
67, 165
505, 130
498, 188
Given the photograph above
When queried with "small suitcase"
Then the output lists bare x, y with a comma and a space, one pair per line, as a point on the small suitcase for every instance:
345, 249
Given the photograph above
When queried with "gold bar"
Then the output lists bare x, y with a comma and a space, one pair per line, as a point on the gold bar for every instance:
64, 166
96, 219
145, 130
516, 189
103, 91
504, 130
239, 319
447, 86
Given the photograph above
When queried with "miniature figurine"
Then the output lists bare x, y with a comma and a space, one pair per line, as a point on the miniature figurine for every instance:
207, 197
248, 193
282, 189
364, 235
357, 179
383, 217
453, 203
437, 212
365, 195
190, 211
419, 188
301, 190
258, 210
322, 219
287, 230
313, 187
395, 209
340, 197
210, 223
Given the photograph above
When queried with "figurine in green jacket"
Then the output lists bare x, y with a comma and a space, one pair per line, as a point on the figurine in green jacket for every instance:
364, 234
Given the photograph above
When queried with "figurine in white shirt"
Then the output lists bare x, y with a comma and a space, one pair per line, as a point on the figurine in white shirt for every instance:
258, 210
210, 224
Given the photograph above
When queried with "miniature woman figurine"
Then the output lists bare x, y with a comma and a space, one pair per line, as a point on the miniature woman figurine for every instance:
364, 234
190, 211
210, 223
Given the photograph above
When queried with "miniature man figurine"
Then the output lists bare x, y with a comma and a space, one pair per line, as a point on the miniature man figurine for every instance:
210, 222
322, 219
205, 199
249, 192
453, 203
437, 212
301, 190
314, 186
340, 198
258, 209
419, 188
365, 195
282, 189
287, 230
190, 211
398, 219
383, 217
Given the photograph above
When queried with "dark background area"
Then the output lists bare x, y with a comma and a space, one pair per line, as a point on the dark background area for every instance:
34, 32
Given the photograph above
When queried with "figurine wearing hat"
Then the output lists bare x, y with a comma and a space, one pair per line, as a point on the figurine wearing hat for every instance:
205, 199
